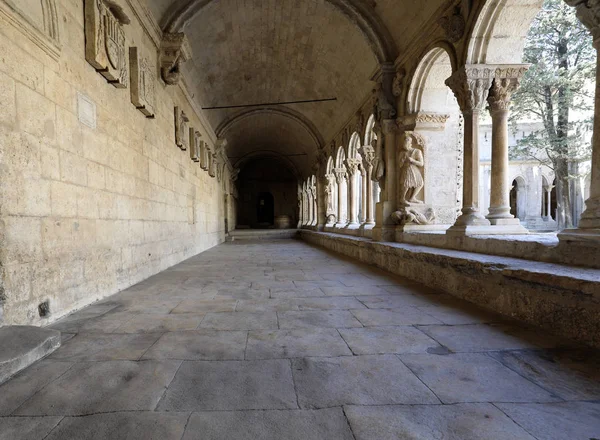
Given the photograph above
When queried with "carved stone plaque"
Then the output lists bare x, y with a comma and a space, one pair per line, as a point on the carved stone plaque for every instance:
181, 129
143, 83
105, 46
195, 145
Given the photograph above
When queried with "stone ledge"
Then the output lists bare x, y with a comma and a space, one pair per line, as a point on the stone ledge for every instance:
21, 346
261, 234
561, 299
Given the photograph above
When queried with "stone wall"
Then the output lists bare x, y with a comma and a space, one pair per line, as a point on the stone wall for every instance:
87, 210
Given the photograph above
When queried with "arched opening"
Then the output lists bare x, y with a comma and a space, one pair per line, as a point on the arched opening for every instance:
518, 198
355, 187
370, 143
331, 194
435, 115
341, 176
266, 189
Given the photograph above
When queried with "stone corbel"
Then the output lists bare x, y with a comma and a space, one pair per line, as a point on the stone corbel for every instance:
174, 51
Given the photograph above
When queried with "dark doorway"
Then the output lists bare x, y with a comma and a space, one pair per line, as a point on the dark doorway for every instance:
513, 198
265, 213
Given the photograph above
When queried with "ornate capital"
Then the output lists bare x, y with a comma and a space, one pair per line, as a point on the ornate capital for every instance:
588, 12
471, 85
175, 50
352, 165
340, 174
506, 81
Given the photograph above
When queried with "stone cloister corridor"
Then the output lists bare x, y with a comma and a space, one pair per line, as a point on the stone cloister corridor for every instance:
282, 340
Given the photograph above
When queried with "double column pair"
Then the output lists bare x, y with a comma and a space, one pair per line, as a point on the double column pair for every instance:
473, 86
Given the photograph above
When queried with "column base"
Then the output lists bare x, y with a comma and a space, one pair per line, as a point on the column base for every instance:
353, 226
471, 219
383, 233
465, 230
583, 236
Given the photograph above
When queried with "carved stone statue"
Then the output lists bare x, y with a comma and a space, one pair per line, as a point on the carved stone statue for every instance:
411, 215
411, 178
378, 163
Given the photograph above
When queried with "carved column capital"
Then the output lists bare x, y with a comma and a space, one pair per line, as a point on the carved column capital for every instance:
340, 175
352, 166
506, 81
588, 12
367, 153
471, 84
174, 51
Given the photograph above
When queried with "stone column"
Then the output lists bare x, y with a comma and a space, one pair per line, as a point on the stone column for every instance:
352, 167
363, 199
315, 208
329, 201
588, 11
506, 81
368, 156
300, 207
385, 227
471, 84
340, 177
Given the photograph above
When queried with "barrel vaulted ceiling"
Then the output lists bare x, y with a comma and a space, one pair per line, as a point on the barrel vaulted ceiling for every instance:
263, 51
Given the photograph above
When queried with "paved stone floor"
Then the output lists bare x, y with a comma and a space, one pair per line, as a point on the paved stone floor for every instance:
280, 340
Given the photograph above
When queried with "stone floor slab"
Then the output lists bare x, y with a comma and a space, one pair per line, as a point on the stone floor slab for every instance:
105, 347
331, 318
473, 377
357, 380
93, 387
205, 306
121, 426
401, 316
199, 345
557, 421
28, 382
232, 385
572, 375
147, 323
342, 303
353, 291
277, 344
240, 321
433, 422
384, 340
27, 428
269, 425
484, 337
270, 305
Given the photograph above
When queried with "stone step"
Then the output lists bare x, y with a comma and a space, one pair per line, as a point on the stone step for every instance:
21, 346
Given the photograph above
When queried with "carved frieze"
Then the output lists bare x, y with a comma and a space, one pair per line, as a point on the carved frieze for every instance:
174, 51
143, 83
195, 145
105, 43
181, 129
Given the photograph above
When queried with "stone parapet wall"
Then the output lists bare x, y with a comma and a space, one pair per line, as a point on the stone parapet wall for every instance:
95, 196
564, 300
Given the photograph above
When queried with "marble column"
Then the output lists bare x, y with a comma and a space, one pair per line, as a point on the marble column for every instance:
506, 81
329, 198
313, 190
340, 177
352, 167
368, 156
363, 198
588, 231
471, 85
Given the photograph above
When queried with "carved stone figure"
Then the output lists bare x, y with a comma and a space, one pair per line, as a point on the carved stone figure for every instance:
454, 25
175, 50
410, 164
181, 129
412, 215
143, 82
399, 80
105, 47
382, 107
378, 162
329, 189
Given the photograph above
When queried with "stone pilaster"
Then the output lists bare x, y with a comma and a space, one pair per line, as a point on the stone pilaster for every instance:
471, 85
384, 229
506, 82
588, 11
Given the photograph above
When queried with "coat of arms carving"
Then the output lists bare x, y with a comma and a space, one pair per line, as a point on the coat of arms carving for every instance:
105, 42
181, 129
143, 83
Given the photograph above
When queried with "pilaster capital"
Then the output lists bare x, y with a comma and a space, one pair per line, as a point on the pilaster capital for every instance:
588, 12
507, 79
471, 84
174, 51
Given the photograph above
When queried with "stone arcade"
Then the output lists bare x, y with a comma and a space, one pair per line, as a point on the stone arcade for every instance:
227, 219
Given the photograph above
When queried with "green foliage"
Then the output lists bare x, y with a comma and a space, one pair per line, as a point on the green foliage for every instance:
558, 91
